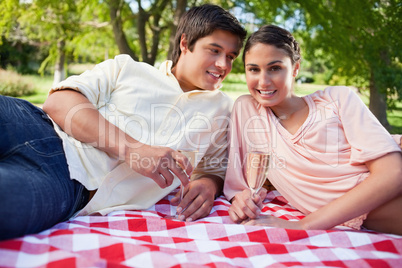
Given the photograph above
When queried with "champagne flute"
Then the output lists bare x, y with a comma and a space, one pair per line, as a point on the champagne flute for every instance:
257, 170
191, 155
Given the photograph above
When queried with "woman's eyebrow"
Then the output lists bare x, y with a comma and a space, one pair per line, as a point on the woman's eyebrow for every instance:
274, 62
269, 63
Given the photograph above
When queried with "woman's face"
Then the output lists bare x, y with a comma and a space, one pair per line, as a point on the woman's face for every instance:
270, 74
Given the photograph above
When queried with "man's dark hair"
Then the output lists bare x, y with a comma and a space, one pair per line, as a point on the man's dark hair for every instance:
202, 21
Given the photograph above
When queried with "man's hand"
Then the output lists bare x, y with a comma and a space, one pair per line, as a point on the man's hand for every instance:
79, 118
198, 198
244, 207
159, 163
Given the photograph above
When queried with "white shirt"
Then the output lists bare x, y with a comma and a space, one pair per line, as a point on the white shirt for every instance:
149, 105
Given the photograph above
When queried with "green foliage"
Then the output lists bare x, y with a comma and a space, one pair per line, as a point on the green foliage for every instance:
361, 41
12, 84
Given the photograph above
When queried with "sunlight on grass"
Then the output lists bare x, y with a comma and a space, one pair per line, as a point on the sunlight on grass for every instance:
42, 85
395, 119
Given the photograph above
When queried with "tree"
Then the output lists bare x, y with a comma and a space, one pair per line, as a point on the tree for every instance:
153, 20
52, 24
359, 40
116, 19
179, 10
150, 23
363, 41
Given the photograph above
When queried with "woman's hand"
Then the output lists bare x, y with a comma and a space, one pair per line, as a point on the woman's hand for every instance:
244, 207
272, 221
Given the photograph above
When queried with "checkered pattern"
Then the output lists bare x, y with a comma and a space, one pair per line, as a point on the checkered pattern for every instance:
147, 239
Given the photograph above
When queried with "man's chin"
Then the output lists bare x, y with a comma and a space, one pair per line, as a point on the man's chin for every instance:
218, 86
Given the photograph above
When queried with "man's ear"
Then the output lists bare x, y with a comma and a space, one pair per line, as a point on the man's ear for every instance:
183, 43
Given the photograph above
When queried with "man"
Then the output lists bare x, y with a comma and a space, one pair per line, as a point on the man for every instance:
121, 125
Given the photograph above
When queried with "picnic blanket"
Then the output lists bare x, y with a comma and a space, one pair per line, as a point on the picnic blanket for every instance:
147, 239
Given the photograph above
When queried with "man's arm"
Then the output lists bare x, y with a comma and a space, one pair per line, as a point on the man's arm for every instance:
79, 118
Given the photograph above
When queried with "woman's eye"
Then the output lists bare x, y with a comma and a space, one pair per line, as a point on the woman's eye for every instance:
275, 68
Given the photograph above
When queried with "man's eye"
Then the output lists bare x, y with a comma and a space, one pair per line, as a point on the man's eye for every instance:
253, 70
230, 57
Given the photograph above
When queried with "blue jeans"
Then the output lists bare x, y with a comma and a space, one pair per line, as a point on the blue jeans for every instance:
36, 191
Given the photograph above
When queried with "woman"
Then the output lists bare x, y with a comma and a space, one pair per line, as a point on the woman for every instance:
330, 157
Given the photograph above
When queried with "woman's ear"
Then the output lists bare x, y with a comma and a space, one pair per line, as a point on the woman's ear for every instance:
183, 43
296, 69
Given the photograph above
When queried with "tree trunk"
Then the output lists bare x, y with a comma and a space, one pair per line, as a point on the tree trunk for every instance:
157, 29
149, 50
115, 7
378, 103
59, 74
141, 22
179, 11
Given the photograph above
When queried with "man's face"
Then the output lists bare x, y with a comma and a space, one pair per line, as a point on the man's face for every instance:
209, 63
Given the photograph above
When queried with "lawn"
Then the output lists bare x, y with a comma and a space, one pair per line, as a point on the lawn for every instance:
234, 86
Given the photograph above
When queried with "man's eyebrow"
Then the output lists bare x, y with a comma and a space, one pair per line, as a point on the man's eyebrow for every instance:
236, 53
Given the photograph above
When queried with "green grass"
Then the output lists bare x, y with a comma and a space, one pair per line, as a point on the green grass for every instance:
42, 85
234, 86
395, 119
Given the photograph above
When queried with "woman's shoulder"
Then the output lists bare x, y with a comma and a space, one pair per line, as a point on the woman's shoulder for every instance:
335, 93
246, 99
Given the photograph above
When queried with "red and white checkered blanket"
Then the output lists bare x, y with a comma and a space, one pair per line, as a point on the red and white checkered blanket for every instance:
147, 239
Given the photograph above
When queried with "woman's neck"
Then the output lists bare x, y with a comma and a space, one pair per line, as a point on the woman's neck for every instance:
289, 108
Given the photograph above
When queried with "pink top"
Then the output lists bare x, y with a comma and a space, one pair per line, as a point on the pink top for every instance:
323, 160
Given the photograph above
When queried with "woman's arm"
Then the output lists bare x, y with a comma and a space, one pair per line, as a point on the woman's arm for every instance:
78, 117
382, 185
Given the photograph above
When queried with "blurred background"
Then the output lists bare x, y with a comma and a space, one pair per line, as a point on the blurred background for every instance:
344, 42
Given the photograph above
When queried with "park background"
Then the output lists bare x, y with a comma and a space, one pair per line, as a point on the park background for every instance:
344, 42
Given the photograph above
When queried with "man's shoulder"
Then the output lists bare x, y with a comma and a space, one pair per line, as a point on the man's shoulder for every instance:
124, 59
220, 100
